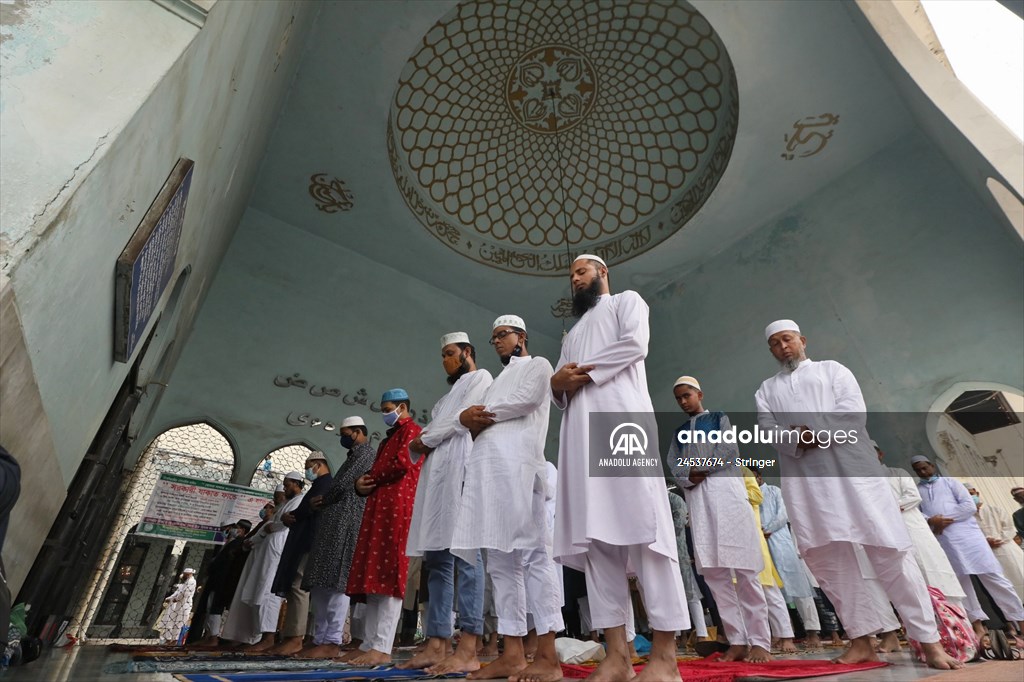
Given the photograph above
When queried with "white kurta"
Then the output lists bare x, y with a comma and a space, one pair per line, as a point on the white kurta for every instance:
178, 610
502, 506
775, 520
612, 336
997, 524
931, 559
834, 494
963, 541
261, 566
440, 486
721, 519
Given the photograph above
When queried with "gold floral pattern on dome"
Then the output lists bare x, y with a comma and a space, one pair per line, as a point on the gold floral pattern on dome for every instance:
520, 133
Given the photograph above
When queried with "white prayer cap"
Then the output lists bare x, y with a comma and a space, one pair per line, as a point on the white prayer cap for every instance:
454, 337
686, 380
919, 458
316, 455
780, 326
509, 321
279, 488
295, 476
189, 570
590, 256
349, 422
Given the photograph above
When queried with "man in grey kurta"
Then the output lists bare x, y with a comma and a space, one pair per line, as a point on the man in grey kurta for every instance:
341, 512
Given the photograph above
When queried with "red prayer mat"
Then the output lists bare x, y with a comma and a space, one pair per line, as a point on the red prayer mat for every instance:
710, 670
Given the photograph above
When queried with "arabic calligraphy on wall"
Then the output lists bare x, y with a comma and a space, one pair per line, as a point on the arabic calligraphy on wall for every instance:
809, 136
330, 194
360, 397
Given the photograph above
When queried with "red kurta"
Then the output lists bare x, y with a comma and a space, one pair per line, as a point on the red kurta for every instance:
380, 565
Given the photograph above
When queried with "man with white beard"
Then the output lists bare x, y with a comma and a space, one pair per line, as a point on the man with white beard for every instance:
252, 618
726, 538
827, 476
503, 508
605, 522
438, 495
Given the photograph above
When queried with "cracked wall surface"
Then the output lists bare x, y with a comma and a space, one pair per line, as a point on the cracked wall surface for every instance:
99, 102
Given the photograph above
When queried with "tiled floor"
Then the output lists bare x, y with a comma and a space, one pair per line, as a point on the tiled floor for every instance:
86, 663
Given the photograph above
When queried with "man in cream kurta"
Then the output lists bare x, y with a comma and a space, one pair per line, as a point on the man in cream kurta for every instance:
826, 477
255, 609
445, 445
998, 528
604, 523
726, 537
503, 507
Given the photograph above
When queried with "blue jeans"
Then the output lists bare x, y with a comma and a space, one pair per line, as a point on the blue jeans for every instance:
441, 567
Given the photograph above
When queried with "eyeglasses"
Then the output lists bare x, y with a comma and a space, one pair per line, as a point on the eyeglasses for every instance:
501, 335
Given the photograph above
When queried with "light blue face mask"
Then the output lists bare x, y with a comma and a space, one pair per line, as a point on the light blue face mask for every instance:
976, 498
932, 478
391, 418
310, 475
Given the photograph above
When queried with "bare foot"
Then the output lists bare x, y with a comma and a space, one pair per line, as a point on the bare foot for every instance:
320, 651
660, 669
736, 652
543, 669
888, 643
371, 658
288, 647
786, 646
263, 645
491, 648
614, 669
504, 666
812, 642
836, 639
759, 654
349, 656
435, 651
530, 645
212, 640
936, 657
859, 651
456, 663
353, 645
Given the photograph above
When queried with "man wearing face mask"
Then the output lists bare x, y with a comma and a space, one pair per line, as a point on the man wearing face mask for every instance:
509, 428
252, 618
444, 447
950, 512
380, 566
330, 560
302, 524
221, 580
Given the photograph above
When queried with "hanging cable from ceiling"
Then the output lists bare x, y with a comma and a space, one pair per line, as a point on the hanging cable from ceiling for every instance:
551, 96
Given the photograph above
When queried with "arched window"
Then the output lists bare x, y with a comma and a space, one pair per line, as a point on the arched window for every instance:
271, 470
135, 572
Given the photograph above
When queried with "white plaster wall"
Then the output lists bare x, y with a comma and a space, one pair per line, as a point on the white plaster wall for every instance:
287, 302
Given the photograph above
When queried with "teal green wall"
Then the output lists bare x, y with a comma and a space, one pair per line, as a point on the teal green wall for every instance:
895, 270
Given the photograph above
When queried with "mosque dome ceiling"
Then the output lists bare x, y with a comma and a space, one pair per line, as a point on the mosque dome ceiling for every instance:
522, 133
477, 145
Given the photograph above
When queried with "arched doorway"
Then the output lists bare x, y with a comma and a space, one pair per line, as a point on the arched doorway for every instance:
976, 429
135, 572
272, 469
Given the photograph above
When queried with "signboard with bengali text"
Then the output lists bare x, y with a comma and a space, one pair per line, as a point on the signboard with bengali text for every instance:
145, 267
184, 508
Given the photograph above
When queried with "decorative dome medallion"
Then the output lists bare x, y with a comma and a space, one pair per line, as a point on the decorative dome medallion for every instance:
523, 132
